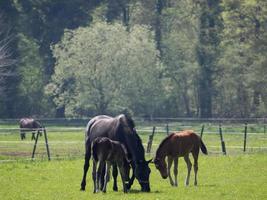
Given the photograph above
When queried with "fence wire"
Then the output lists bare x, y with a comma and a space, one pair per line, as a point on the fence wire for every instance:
66, 140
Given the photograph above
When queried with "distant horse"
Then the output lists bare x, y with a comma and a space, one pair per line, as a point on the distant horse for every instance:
31, 125
176, 145
122, 129
107, 152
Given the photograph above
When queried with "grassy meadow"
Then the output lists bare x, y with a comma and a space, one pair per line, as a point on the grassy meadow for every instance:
220, 177
238, 175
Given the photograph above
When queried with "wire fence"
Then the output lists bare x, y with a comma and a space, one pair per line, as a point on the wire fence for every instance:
66, 136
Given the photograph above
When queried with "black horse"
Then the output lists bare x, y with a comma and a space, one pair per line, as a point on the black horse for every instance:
31, 125
122, 129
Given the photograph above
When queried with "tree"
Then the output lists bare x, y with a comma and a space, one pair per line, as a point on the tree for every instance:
243, 61
32, 79
111, 71
208, 53
179, 40
7, 62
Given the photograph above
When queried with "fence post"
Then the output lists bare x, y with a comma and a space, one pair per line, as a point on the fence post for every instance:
222, 141
167, 128
150, 140
245, 137
35, 144
202, 130
46, 143
264, 125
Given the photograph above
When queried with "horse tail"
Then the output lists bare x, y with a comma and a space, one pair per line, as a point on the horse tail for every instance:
203, 147
88, 128
94, 149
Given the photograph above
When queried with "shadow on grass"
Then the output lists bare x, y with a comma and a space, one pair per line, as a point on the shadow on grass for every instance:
133, 191
207, 185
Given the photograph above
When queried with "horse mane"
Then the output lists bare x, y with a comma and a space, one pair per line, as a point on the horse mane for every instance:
163, 142
134, 141
129, 120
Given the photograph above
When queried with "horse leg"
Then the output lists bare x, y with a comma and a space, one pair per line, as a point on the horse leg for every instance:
175, 171
33, 135
95, 178
123, 177
195, 156
86, 164
102, 172
22, 135
115, 175
108, 165
41, 132
170, 160
132, 178
189, 166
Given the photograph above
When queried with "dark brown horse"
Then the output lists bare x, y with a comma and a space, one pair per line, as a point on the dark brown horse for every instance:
29, 125
122, 129
176, 145
105, 153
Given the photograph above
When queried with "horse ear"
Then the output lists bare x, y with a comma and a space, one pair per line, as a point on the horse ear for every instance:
150, 161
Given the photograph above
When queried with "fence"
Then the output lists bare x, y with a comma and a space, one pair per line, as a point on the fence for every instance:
66, 136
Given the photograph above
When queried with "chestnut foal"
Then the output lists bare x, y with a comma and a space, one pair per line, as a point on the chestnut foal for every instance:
176, 145
108, 152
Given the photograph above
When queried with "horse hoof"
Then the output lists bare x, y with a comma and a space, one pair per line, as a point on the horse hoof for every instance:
82, 188
128, 186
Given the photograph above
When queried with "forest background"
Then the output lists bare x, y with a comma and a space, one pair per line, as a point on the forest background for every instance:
152, 58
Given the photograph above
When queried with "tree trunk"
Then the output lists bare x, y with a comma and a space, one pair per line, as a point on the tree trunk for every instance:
207, 53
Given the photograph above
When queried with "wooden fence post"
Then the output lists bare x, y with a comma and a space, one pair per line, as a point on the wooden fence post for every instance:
202, 130
35, 144
167, 129
46, 144
245, 137
222, 141
264, 125
150, 140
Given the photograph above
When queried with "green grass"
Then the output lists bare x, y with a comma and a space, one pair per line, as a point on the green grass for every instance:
238, 175
220, 177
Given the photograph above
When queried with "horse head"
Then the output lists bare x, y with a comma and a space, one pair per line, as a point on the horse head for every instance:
142, 172
161, 165
134, 143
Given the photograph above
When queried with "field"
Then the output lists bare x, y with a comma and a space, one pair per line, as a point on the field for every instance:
237, 175
220, 177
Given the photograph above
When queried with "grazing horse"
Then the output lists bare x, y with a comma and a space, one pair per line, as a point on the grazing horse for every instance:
176, 145
107, 152
31, 125
120, 128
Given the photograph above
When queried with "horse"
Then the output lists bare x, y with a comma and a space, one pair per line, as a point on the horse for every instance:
106, 152
176, 145
120, 128
29, 124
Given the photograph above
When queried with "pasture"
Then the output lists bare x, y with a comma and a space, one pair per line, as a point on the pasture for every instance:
220, 177
238, 175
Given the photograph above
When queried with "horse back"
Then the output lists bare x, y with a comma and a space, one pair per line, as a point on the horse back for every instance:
101, 126
184, 142
29, 123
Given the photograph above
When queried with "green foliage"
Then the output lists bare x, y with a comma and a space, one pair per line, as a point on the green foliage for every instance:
159, 58
179, 54
243, 62
113, 69
31, 74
